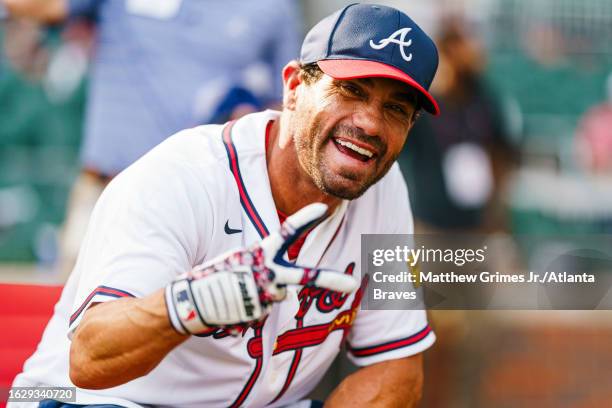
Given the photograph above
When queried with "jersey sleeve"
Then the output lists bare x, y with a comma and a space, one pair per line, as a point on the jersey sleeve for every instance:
151, 224
380, 335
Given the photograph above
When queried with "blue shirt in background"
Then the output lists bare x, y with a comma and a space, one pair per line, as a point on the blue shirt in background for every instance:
164, 65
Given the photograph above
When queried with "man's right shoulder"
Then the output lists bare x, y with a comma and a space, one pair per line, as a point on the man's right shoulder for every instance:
201, 145
193, 161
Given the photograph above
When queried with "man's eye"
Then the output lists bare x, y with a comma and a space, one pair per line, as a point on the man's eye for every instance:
352, 89
396, 108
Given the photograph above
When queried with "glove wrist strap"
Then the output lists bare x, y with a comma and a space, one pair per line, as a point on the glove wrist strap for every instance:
182, 311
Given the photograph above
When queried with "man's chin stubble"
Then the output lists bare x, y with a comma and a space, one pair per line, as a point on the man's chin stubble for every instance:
336, 189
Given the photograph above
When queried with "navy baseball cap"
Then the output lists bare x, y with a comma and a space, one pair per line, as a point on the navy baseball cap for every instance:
368, 40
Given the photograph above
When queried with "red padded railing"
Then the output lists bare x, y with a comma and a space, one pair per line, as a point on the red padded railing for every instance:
24, 313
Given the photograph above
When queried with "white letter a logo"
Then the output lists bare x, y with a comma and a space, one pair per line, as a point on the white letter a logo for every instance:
393, 38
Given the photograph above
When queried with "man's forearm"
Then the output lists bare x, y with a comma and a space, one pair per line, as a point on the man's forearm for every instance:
121, 340
43, 11
393, 383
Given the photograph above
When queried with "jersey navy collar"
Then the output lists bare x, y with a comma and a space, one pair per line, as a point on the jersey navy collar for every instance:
245, 145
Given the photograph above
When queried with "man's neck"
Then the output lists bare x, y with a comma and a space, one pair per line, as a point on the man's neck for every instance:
292, 188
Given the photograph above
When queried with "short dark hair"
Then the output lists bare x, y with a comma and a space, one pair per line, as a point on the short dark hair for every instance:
311, 73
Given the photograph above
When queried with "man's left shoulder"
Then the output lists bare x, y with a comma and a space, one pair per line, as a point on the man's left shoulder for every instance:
393, 178
384, 206
389, 190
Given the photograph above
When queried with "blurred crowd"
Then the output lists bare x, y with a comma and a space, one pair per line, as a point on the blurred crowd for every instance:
523, 145
152, 68
87, 87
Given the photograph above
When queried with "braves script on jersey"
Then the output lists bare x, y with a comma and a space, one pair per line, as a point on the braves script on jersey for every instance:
200, 193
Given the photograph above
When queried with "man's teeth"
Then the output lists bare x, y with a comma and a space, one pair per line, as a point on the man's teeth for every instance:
353, 147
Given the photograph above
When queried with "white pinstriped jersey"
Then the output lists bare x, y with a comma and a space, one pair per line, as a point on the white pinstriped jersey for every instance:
166, 214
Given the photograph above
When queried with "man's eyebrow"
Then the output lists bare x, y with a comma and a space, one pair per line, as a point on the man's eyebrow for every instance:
410, 97
365, 81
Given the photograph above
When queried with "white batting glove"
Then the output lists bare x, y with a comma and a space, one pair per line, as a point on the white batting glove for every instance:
237, 289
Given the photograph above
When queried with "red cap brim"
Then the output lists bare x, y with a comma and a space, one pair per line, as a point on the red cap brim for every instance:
351, 69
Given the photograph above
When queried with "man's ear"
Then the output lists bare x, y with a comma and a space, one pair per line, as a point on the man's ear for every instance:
291, 80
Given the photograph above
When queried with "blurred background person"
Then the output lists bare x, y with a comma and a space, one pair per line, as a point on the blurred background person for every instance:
594, 135
455, 166
42, 72
160, 66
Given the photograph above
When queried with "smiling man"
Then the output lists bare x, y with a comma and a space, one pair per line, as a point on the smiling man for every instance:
163, 309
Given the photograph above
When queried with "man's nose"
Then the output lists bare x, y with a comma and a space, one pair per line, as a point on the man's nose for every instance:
369, 119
